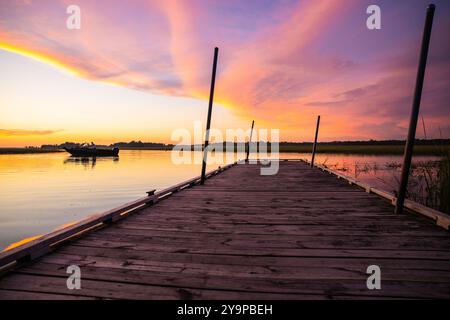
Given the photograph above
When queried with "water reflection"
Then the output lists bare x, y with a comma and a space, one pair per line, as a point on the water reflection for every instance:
88, 162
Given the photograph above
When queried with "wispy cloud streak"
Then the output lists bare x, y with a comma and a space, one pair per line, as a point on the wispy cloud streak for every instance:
24, 132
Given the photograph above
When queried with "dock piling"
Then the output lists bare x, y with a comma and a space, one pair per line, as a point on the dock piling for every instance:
249, 141
409, 146
315, 142
208, 121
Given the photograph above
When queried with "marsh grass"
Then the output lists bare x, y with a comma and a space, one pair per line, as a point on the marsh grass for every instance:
436, 180
444, 183
429, 181
361, 149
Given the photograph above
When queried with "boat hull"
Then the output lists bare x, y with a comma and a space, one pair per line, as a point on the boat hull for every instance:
93, 152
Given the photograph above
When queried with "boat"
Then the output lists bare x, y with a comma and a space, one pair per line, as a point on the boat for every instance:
92, 150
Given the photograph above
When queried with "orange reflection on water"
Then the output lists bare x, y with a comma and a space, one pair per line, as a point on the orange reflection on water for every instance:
21, 242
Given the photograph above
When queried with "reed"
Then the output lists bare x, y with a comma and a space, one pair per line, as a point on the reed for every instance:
429, 182
444, 183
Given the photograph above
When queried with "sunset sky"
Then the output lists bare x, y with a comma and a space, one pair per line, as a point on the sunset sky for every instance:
139, 69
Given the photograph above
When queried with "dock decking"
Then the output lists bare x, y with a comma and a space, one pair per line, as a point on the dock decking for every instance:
300, 234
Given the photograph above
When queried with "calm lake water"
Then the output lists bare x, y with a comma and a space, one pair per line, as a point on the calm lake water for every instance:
41, 192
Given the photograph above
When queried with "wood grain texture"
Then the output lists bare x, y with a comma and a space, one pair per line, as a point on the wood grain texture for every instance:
300, 234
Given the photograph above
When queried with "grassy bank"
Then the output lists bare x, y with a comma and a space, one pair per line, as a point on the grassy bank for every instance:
26, 150
363, 149
147, 148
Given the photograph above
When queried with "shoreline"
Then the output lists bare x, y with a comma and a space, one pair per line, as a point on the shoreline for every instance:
427, 150
7, 151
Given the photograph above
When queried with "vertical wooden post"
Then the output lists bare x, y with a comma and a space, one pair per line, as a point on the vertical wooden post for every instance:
249, 141
208, 121
415, 110
315, 142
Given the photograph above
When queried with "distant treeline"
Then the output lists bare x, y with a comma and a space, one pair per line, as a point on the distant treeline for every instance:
374, 147
121, 145
142, 145
428, 142
425, 147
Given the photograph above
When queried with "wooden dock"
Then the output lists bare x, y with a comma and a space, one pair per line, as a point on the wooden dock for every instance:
300, 234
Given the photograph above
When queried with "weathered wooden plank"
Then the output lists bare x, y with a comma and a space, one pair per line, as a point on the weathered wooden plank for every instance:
120, 290
227, 245
402, 240
340, 270
268, 252
160, 282
279, 230
25, 295
178, 262
370, 222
